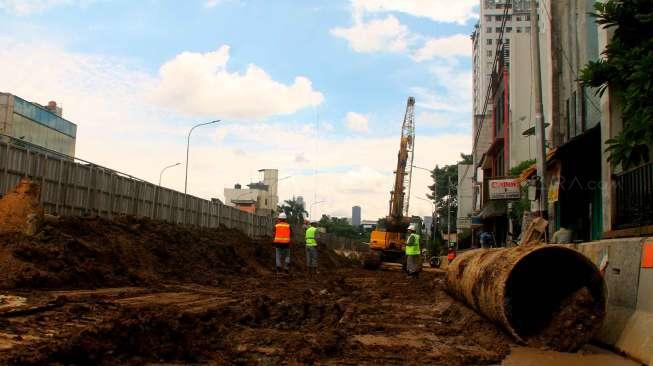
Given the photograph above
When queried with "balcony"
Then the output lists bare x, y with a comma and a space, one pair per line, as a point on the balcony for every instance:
634, 197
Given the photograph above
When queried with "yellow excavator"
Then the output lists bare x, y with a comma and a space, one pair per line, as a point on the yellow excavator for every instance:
387, 241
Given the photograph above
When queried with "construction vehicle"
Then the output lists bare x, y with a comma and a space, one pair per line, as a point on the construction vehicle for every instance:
388, 240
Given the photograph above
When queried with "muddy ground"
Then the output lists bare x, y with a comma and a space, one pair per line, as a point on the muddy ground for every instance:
132, 292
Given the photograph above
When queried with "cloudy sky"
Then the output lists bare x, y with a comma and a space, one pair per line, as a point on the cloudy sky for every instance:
314, 88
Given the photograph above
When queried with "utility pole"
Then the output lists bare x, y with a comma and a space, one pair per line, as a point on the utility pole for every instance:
539, 120
449, 215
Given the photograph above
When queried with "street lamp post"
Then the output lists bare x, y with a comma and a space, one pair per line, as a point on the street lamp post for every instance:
188, 150
164, 169
186, 177
158, 189
310, 210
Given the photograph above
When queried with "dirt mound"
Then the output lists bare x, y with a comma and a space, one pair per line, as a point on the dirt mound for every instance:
20, 209
94, 252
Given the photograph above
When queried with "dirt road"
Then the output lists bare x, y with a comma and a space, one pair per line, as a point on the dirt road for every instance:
347, 316
134, 291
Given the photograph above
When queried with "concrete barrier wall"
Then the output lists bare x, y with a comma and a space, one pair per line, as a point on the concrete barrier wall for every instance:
629, 323
80, 188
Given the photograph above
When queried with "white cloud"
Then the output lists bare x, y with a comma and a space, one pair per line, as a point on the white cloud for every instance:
120, 128
446, 11
357, 122
199, 84
387, 35
26, 7
446, 47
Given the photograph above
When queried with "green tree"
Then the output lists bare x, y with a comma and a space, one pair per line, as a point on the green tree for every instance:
340, 227
294, 210
626, 69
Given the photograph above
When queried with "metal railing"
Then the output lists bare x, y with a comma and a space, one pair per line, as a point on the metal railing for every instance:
634, 197
76, 187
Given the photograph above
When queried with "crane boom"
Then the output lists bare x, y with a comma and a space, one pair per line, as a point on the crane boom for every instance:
399, 200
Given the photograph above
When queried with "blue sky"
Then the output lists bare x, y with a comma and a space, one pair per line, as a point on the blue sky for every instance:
134, 75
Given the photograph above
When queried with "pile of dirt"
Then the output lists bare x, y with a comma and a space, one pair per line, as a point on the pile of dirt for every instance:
572, 324
78, 252
20, 209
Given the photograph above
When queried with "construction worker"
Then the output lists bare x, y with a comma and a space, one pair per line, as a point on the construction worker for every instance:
311, 248
282, 243
412, 252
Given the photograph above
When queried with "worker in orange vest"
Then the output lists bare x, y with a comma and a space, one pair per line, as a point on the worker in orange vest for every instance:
282, 243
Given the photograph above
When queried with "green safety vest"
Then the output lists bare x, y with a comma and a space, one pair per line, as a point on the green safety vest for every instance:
310, 236
412, 245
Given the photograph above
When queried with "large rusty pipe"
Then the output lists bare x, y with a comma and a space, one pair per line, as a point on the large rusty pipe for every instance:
544, 295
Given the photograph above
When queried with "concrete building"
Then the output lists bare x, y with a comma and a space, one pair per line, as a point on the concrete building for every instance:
487, 41
356, 216
464, 191
260, 197
41, 126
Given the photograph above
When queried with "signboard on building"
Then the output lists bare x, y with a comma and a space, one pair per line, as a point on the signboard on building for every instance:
554, 186
504, 189
464, 222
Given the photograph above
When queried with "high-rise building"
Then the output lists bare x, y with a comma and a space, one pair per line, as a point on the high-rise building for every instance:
356, 216
487, 41
40, 126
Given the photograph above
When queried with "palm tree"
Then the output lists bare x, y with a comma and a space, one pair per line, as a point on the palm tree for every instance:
294, 210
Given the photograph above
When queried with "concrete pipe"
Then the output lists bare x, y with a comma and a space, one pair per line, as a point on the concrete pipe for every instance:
544, 296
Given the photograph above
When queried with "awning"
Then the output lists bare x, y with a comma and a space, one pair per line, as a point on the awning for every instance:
493, 208
528, 172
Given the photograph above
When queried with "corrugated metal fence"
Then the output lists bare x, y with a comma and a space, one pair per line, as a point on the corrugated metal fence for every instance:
80, 188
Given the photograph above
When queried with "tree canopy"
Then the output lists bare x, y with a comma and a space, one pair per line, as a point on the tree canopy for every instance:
294, 210
626, 69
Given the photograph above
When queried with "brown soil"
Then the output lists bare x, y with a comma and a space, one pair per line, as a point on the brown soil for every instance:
95, 252
572, 324
20, 209
191, 296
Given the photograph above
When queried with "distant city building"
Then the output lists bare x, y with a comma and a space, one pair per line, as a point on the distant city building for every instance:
356, 216
260, 197
37, 125
428, 225
300, 200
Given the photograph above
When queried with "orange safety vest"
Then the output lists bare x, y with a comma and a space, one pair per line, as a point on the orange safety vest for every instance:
282, 233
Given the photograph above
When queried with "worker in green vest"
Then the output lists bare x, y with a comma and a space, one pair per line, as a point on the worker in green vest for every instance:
412, 252
311, 249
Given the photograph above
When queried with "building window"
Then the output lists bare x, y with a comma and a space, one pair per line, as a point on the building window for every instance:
528, 18
518, 30
508, 17
506, 41
498, 18
489, 30
489, 41
498, 40
489, 53
488, 18
508, 29
527, 29
518, 19
500, 164
498, 29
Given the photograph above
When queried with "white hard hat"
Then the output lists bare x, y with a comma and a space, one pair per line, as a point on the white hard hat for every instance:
282, 215
411, 227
